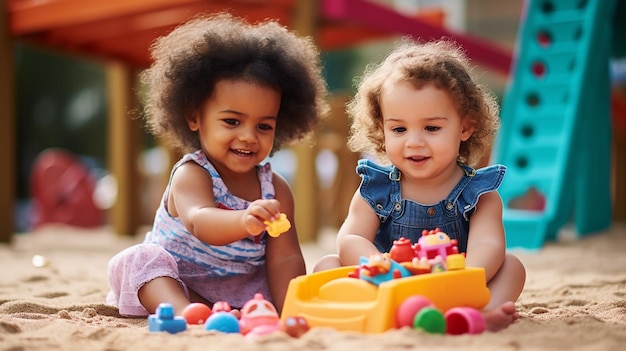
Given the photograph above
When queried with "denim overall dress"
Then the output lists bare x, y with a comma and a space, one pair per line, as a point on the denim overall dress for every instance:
380, 187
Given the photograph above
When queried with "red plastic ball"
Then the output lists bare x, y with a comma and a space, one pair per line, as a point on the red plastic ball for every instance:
409, 308
196, 313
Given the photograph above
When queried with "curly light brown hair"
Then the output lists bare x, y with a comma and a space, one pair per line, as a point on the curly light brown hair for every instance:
440, 62
190, 60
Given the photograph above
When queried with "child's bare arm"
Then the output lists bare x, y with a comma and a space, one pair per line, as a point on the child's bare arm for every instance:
357, 233
191, 199
486, 245
283, 254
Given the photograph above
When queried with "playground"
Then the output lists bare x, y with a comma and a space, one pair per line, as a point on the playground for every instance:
562, 139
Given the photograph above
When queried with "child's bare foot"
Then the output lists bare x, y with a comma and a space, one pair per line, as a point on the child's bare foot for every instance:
501, 317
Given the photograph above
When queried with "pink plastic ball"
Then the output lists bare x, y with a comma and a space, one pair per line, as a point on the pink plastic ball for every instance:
196, 313
409, 308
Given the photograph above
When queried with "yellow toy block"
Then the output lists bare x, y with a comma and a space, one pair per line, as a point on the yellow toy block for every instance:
276, 227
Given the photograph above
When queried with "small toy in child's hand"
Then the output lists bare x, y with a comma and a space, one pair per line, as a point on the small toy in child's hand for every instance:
278, 226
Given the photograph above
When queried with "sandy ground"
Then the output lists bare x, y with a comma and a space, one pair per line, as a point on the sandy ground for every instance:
575, 299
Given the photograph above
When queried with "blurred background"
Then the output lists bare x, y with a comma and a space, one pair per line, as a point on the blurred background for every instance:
72, 124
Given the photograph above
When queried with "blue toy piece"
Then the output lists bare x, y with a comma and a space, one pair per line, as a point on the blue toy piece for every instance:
223, 322
164, 320
379, 268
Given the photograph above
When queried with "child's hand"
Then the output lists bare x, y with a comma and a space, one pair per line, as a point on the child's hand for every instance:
258, 213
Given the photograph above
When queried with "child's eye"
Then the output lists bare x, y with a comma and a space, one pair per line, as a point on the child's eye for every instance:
231, 121
265, 127
398, 129
432, 128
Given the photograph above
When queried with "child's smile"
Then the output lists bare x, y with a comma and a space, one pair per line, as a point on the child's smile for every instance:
244, 153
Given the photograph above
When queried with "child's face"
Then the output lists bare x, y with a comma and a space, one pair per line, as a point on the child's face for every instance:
236, 125
423, 130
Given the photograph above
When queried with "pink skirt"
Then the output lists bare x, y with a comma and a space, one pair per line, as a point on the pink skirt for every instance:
133, 267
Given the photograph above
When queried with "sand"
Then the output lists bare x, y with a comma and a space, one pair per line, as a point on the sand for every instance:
575, 299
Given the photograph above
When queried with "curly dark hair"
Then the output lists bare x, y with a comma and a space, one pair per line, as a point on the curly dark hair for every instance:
441, 62
208, 48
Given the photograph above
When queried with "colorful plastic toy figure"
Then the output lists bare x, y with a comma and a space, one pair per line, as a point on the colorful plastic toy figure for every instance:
435, 243
164, 320
379, 268
259, 317
278, 226
402, 250
434, 252
375, 265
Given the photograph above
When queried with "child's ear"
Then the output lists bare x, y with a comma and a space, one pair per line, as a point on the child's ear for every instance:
469, 125
193, 121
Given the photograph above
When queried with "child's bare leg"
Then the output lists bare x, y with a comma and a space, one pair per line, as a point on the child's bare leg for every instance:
505, 287
508, 283
163, 289
327, 262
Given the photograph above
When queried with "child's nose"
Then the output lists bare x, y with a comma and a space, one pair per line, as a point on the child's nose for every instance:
415, 139
247, 135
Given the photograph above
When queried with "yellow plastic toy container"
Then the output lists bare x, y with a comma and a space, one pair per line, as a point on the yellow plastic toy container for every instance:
332, 299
